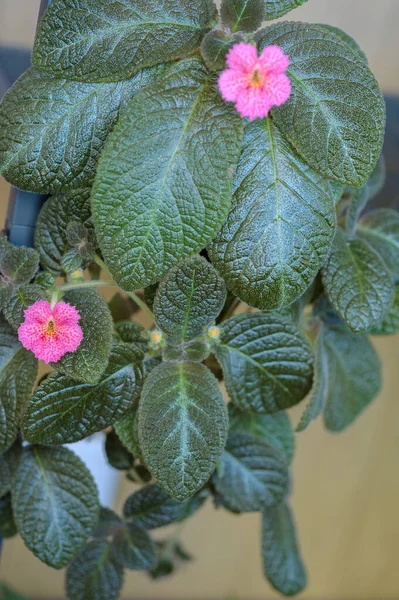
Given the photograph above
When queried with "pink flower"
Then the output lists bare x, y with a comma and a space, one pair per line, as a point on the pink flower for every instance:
50, 333
255, 83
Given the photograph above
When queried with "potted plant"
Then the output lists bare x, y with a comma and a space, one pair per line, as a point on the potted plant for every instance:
223, 168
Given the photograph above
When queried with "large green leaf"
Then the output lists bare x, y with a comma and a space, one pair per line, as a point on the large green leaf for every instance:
63, 411
275, 429
357, 283
390, 324
282, 561
252, 474
18, 264
93, 40
182, 426
189, 298
267, 362
88, 362
55, 503
21, 298
18, 371
53, 130
278, 8
380, 228
346, 38
134, 548
95, 574
352, 376
281, 225
242, 15
182, 141
335, 116
51, 228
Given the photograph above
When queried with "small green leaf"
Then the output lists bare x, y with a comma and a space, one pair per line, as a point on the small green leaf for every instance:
357, 283
132, 333
189, 298
134, 548
45, 280
18, 264
278, 8
267, 362
55, 503
127, 431
359, 197
215, 46
252, 473
380, 228
243, 15
71, 261
89, 361
275, 429
353, 377
281, 224
150, 507
335, 117
95, 574
53, 130
23, 297
390, 324
118, 455
282, 561
183, 140
8, 527
18, 371
63, 411
108, 524
182, 426
93, 41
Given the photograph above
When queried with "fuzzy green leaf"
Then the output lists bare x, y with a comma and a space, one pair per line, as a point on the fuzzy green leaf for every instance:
132, 333
278, 8
281, 224
127, 431
18, 371
357, 283
91, 40
22, 297
215, 46
18, 264
275, 429
252, 474
89, 361
335, 117
390, 324
182, 140
55, 503
63, 411
134, 548
359, 197
267, 362
352, 376
182, 426
282, 561
53, 130
242, 15
380, 228
346, 38
189, 298
95, 574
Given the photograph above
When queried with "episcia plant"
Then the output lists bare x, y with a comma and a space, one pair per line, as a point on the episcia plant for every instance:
217, 174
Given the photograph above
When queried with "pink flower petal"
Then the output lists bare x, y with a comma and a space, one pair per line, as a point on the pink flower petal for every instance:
253, 105
39, 311
273, 60
232, 84
278, 89
242, 57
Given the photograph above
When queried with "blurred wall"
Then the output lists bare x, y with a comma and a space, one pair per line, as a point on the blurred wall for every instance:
346, 487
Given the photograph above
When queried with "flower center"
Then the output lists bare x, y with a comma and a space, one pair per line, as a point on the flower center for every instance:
257, 78
50, 329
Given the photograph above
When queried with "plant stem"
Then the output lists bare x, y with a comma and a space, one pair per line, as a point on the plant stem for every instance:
66, 287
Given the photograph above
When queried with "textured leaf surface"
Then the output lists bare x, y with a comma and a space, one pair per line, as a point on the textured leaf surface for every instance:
390, 324
275, 429
252, 473
22, 297
151, 507
282, 561
357, 283
335, 117
63, 411
182, 426
182, 140
380, 228
52, 224
359, 197
95, 573
53, 130
134, 548
89, 361
127, 431
189, 298
267, 362
55, 503
278, 8
91, 40
132, 333
18, 371
242, 15
18, 264
281, 224
353, 377
346, 38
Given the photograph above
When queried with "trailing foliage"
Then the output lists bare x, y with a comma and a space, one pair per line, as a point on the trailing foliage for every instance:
161, 190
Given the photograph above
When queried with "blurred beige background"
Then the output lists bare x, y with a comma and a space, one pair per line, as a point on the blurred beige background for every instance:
346, 487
